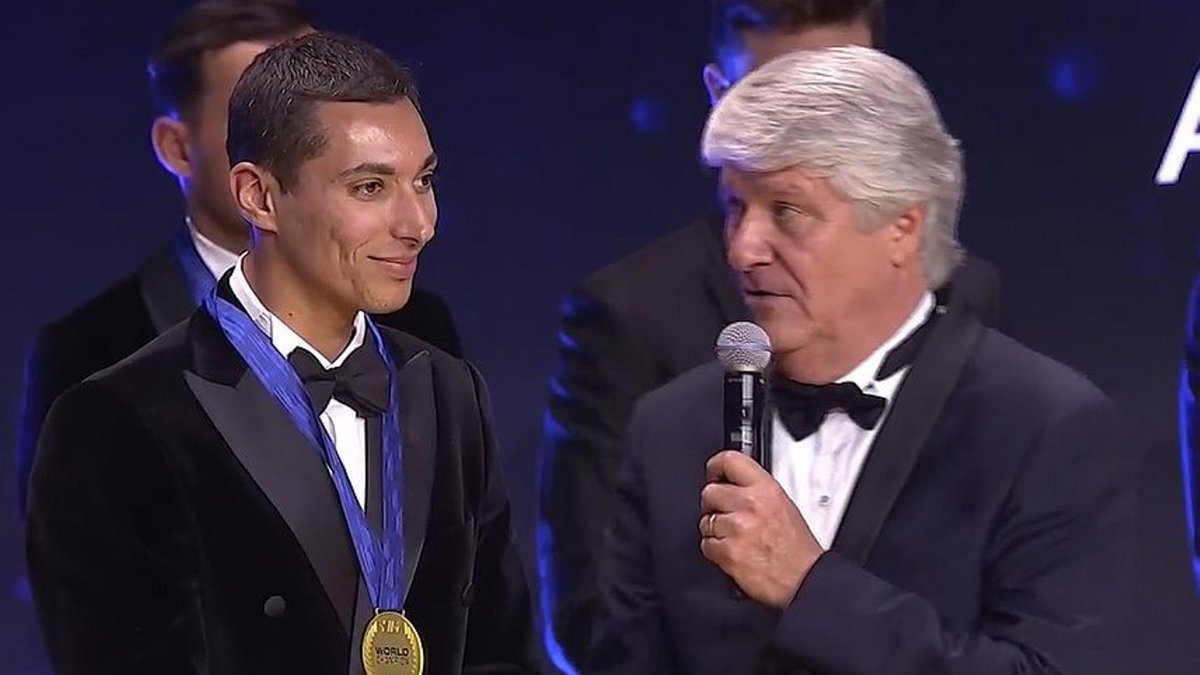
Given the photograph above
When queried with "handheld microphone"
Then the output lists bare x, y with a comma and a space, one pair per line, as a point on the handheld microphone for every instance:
744, 349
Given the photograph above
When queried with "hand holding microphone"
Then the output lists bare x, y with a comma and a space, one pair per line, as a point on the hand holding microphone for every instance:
749, 527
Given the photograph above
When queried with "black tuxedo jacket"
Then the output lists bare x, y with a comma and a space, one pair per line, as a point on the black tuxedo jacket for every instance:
990, 531
629, 329
179, 523
126, 316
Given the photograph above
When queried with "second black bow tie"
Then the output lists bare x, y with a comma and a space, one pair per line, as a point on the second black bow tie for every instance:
361, 382
803, 407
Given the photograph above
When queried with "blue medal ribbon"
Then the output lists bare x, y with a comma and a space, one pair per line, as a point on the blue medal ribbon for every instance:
380, 554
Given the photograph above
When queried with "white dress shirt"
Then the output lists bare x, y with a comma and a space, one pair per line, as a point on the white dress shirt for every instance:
216, 259
819, 472
347, 430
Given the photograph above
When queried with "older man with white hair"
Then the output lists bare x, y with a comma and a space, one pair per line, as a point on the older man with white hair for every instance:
941, 499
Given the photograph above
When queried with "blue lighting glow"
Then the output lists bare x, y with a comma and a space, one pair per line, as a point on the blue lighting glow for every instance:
646, 114
1076, 73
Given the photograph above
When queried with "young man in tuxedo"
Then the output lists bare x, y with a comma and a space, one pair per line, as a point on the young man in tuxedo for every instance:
643, 320
277, 484
941, 499
191, 76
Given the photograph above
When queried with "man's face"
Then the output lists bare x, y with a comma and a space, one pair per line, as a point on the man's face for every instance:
355, 218
758, 47
808, 270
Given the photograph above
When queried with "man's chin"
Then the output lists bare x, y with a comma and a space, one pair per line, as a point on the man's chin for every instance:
386, 302
786, 335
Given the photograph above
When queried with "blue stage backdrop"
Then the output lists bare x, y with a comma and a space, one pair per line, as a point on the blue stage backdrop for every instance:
568, 136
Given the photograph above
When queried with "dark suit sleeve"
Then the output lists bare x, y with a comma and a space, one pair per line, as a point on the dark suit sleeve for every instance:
113, 577
631, 636
53, 365
500, 635
1189, 388
1057, 587
601, 374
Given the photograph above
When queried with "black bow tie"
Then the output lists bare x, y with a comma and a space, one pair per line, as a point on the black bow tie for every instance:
803, 407
361, 382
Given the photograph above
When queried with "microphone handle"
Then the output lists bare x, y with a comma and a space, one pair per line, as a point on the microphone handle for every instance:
744, 401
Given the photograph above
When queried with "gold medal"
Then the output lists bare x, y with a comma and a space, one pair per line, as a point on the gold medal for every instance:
391, 646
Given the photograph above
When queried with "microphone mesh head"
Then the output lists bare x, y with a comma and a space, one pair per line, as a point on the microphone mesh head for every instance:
744, 347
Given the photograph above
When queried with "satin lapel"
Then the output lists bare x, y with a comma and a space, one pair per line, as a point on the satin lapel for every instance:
915, 412
278, 458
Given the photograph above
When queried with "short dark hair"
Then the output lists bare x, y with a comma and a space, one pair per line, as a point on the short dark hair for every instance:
730, 18
176, 78
272, 113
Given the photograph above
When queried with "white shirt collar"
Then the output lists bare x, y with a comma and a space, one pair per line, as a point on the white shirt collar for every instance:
282, 336
216, 259
864, 373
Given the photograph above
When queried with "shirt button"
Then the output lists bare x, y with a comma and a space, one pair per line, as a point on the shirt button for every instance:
823, 500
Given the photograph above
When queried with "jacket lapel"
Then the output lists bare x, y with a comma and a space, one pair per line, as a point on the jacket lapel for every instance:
918, 406
277, 457
418, 431
164, 290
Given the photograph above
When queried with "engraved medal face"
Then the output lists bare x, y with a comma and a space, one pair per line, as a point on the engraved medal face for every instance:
391, 646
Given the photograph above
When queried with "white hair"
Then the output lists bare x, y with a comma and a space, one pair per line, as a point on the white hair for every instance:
860, 118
